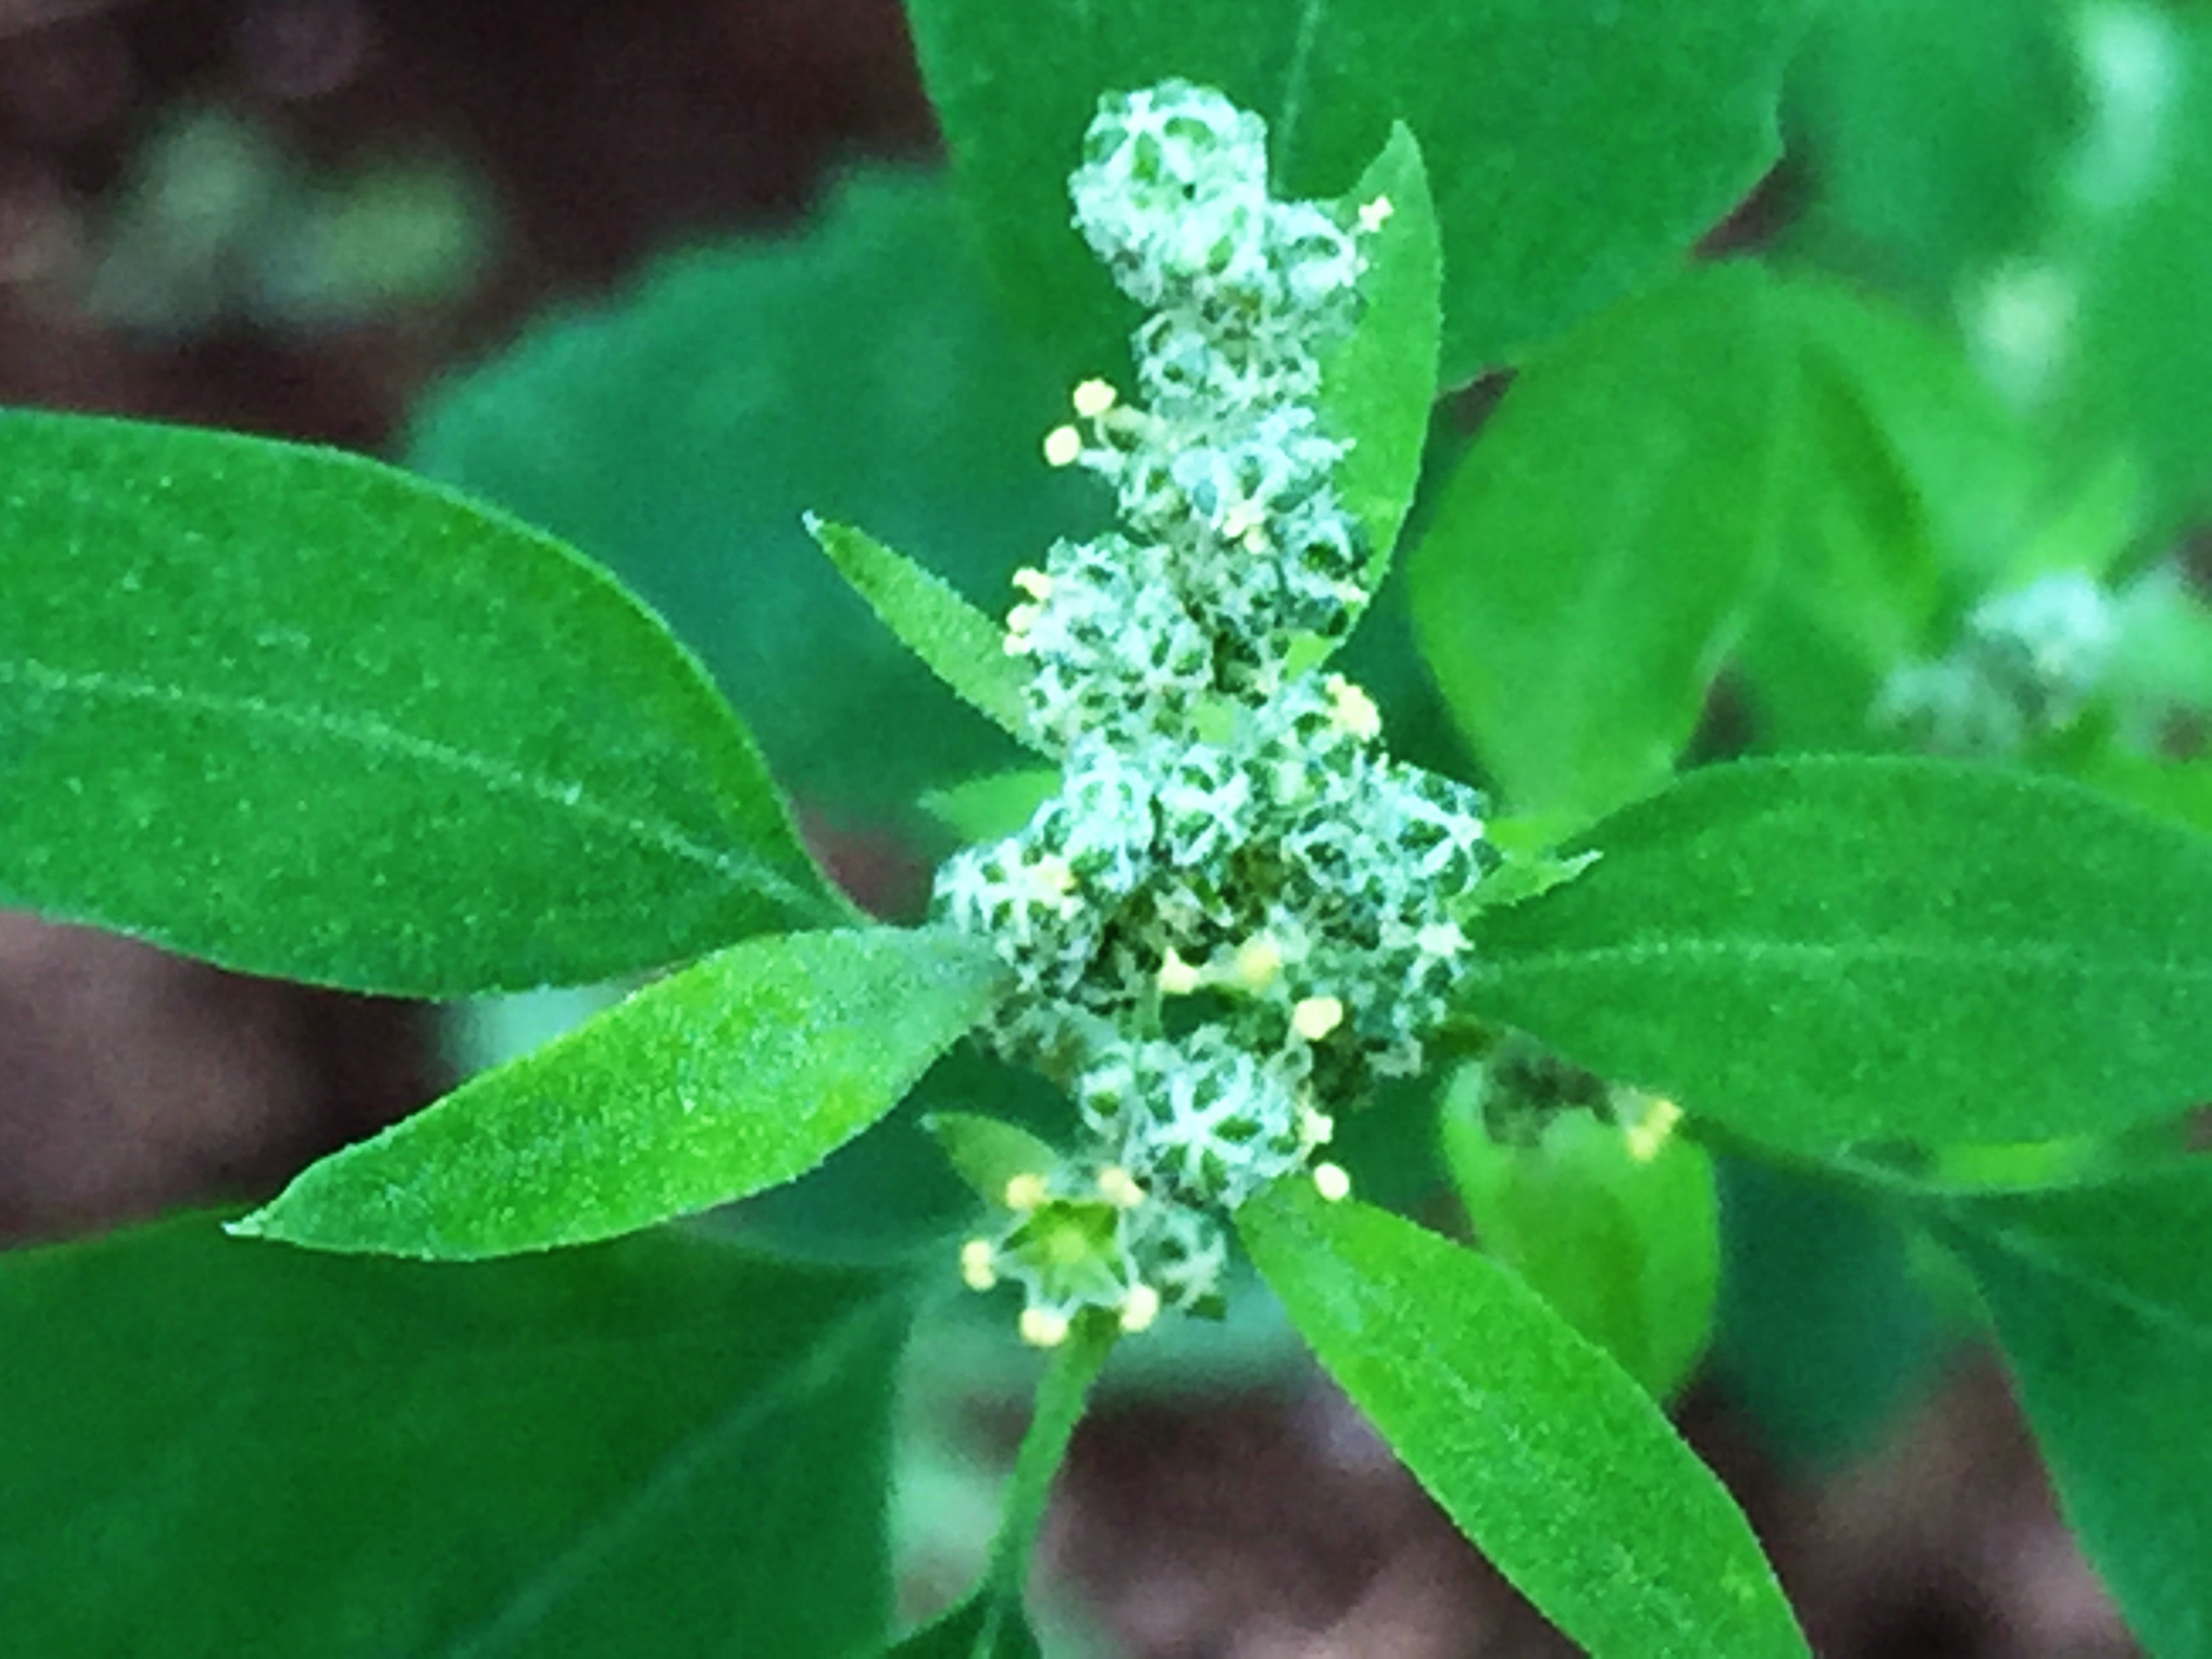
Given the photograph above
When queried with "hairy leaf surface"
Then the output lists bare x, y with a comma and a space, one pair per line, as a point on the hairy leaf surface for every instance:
735, 1075
300, 714
1551, 1458
1820, 951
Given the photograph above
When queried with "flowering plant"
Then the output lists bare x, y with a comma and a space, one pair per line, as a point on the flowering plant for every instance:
300, 714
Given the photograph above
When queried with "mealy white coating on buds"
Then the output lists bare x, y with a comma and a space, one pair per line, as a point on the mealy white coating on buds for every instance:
1238, 912
2026, 665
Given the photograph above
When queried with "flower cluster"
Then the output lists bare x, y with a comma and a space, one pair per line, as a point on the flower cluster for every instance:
1237, 911
2026, 665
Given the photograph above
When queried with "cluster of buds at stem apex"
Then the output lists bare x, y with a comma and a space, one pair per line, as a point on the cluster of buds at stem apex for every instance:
1238, 910
2026, 666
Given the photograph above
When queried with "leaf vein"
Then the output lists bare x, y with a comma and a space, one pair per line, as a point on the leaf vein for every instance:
1292, 105
377, 738
564, 1572
1754, 950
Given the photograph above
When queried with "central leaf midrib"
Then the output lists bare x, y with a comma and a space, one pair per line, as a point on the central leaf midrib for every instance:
376, 737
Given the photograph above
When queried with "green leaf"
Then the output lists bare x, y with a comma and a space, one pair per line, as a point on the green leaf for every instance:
1907, 469
652, 1446
857, 367
1933, 135
987, 1153
1377, 387
1827, 1334
1589, 563
298, 714
1815, 952
1588, 147
959, 644
1619, 1234
993, 807
2102, 1306
733, 1075
1551, 1458
2135, 362
2181, 790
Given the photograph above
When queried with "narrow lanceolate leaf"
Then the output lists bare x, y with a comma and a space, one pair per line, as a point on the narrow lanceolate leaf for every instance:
987, 1153
660, 1446
1580, 150
300, 714
2105, 1312
1820, 951
960, 645
1377, 387
737, 1075
991, 807
1551, 1458
1599, 548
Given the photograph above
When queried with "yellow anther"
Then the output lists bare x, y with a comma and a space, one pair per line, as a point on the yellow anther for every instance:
1025, 1192
1034, 582
1176, 977
1021, 618
1052, 876
976, 1264
1315, 1128
1040, 1327
1646, 1138
1062, 444
1255, 539
1142, 1308
1094, 397
1017, 645
1376, 214
1119, 1188
1350, 595
1315, 1018
1351, 709
1241, 520
1330, 1181
1440, 938
1259, 962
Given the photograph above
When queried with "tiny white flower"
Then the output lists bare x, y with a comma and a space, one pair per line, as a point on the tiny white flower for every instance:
976, 1264
1141, 1310
1119, 1188
1043, 1327
1259, 964
1177, 978
1093, 398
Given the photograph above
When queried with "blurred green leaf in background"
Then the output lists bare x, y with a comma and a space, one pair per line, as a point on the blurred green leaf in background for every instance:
859, 370
218, 1448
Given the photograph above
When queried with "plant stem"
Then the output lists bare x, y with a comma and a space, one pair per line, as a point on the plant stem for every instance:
1061, 1398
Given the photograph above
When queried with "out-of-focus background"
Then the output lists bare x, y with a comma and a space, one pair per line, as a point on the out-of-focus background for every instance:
659, 275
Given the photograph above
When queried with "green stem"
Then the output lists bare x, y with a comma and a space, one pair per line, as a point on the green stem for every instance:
1060, 1402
